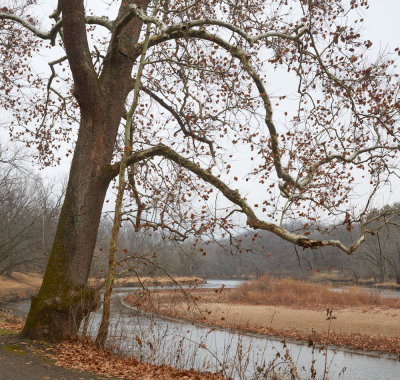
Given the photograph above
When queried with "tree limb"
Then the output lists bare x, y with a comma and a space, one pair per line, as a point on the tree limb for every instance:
52, 33
180, 121
234, 196
87, 90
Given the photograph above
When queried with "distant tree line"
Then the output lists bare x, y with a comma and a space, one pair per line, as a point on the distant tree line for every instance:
253, 254
29, 210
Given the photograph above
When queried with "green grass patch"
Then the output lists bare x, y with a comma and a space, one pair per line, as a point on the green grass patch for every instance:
13, 348
5, 332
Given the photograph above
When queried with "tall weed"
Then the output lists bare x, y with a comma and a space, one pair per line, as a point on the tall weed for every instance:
268, 290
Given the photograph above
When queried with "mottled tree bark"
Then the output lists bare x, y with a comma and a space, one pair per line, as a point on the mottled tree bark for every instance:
63, 300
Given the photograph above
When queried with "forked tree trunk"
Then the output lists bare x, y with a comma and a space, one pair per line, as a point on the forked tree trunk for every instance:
105, 320
64, 299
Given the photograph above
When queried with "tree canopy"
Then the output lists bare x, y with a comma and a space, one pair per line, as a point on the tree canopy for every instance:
208, 120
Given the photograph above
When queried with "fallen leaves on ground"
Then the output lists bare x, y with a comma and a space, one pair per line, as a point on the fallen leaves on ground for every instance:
83, 354
10, 323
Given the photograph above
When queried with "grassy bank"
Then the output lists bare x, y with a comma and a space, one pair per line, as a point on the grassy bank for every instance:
18, 286
144, 281
308, 312
23, 285
268, 290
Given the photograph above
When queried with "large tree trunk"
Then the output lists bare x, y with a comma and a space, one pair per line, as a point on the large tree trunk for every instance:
63, 300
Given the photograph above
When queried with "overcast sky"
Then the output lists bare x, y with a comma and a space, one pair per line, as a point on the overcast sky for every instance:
382, 26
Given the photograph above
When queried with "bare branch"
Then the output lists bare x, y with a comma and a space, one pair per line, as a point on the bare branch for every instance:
234, 196
186, 131
138, 12
52, 33
49, 35
299, 31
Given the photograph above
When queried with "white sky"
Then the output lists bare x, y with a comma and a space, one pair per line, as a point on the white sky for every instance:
382, 27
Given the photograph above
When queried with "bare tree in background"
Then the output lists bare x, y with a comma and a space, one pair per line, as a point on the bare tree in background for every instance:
380, 257
29, 211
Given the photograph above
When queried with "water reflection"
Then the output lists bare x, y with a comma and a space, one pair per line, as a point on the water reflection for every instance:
385, 293
158, 340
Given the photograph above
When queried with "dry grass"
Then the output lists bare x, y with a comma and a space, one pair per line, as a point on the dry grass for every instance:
85, 355
331, 275
22, 285
148, 281
268, 290
388, 285
19, 285
10, 323
363, 328
20, 281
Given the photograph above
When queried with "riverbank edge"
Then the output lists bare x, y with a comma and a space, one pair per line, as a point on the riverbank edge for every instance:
83, 358
365, 284
282, 336
7, 297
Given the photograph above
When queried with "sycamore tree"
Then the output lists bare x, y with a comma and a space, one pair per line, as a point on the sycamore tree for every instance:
213, 143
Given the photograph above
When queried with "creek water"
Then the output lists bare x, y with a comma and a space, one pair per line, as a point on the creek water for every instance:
241, 356
385, 293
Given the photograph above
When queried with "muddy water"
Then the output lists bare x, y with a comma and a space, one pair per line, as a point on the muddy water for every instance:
241, 356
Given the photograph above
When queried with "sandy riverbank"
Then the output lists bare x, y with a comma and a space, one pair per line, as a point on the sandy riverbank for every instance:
360, 328
144, 281
19, 286
23, 285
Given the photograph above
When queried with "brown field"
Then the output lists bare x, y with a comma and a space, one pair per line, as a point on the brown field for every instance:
148, 281
292, 309
20, 285
268, 290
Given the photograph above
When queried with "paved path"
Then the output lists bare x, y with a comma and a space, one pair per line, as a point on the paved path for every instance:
17, 362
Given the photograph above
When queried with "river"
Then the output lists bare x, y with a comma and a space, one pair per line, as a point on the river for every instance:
242, 356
